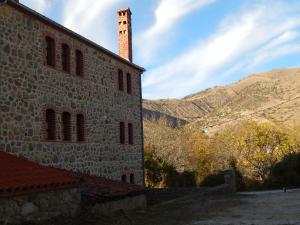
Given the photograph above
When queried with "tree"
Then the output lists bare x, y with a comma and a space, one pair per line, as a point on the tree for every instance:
258, 147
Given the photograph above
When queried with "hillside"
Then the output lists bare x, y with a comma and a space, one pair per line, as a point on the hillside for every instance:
272, 96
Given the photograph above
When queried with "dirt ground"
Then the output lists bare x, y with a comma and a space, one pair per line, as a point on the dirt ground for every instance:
256, 208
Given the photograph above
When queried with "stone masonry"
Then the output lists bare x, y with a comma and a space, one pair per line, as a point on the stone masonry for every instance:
28, 87
39, 206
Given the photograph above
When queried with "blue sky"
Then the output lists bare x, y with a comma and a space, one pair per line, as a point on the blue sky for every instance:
189, 45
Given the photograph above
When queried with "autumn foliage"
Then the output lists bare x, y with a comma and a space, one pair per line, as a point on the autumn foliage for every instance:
188, 155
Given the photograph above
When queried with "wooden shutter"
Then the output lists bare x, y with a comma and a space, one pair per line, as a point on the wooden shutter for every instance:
66, 119
129, 87
132, 178
124, 178
79, 63
130, 134
80, 128
122, 132
50, 51
120, 80
51, 124
65, 57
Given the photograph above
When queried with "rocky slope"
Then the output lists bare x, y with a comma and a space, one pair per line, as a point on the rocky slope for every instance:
272, 96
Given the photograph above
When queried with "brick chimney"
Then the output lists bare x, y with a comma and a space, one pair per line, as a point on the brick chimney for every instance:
125, 34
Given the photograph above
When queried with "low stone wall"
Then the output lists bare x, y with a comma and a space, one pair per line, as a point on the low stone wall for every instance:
39, 206
125, 204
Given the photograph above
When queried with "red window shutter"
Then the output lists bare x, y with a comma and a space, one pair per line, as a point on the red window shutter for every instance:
51, 124
124, 178
132, 181
80, 128
130, 134
120, 80
122, 132
50, 51
65, 57
79, 63
129, 88
66, 119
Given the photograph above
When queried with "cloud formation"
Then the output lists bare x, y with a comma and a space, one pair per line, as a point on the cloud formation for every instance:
167, 15
247, 39
38, 5
95, 20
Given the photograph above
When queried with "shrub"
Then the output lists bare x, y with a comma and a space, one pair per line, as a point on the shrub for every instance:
213, 180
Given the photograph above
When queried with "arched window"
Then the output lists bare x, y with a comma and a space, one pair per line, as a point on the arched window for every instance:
50, 51
79, 63
132, 178
65, 57
80, 127
120, 80
122, 132
130, 134
51, 124
129, 88
66, 120
124, 178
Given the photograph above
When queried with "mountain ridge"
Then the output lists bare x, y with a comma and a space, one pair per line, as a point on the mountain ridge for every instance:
272, 96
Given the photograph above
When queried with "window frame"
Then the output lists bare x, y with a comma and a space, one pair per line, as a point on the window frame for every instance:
79, 63
124, 178
130, 133
122, 133
66, 127
129, 83
80, 128
50, 125
50, 51
120, 80
132, 178
65, 58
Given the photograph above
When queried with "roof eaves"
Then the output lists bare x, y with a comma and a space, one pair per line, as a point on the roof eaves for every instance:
72, 33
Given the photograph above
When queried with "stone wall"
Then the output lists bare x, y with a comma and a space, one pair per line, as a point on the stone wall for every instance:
28, 87
125, 204
39, 206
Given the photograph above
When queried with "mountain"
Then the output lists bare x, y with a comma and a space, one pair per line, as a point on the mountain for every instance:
271, 96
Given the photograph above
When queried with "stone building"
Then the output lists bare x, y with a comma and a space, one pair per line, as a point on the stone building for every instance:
67, 102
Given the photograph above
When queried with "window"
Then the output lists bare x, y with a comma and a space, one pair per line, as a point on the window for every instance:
65, 57
122, 132
120, 80
50, 122
80, 127
50, 51
128, 83
132, 178
66, 120
130, 134
124, 178
79, 63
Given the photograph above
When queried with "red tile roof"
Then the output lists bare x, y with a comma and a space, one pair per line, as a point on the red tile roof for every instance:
19, 176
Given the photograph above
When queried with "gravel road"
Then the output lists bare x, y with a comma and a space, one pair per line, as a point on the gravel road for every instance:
255, 208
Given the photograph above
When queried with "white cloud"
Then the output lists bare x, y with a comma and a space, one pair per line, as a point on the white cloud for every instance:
38, 5
167, 15
248, 38
95, 20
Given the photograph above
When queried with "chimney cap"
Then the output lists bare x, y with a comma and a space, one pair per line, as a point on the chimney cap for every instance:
125, 10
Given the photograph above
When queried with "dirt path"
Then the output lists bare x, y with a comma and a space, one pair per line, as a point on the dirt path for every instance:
273, 207
257, 208
265, 208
